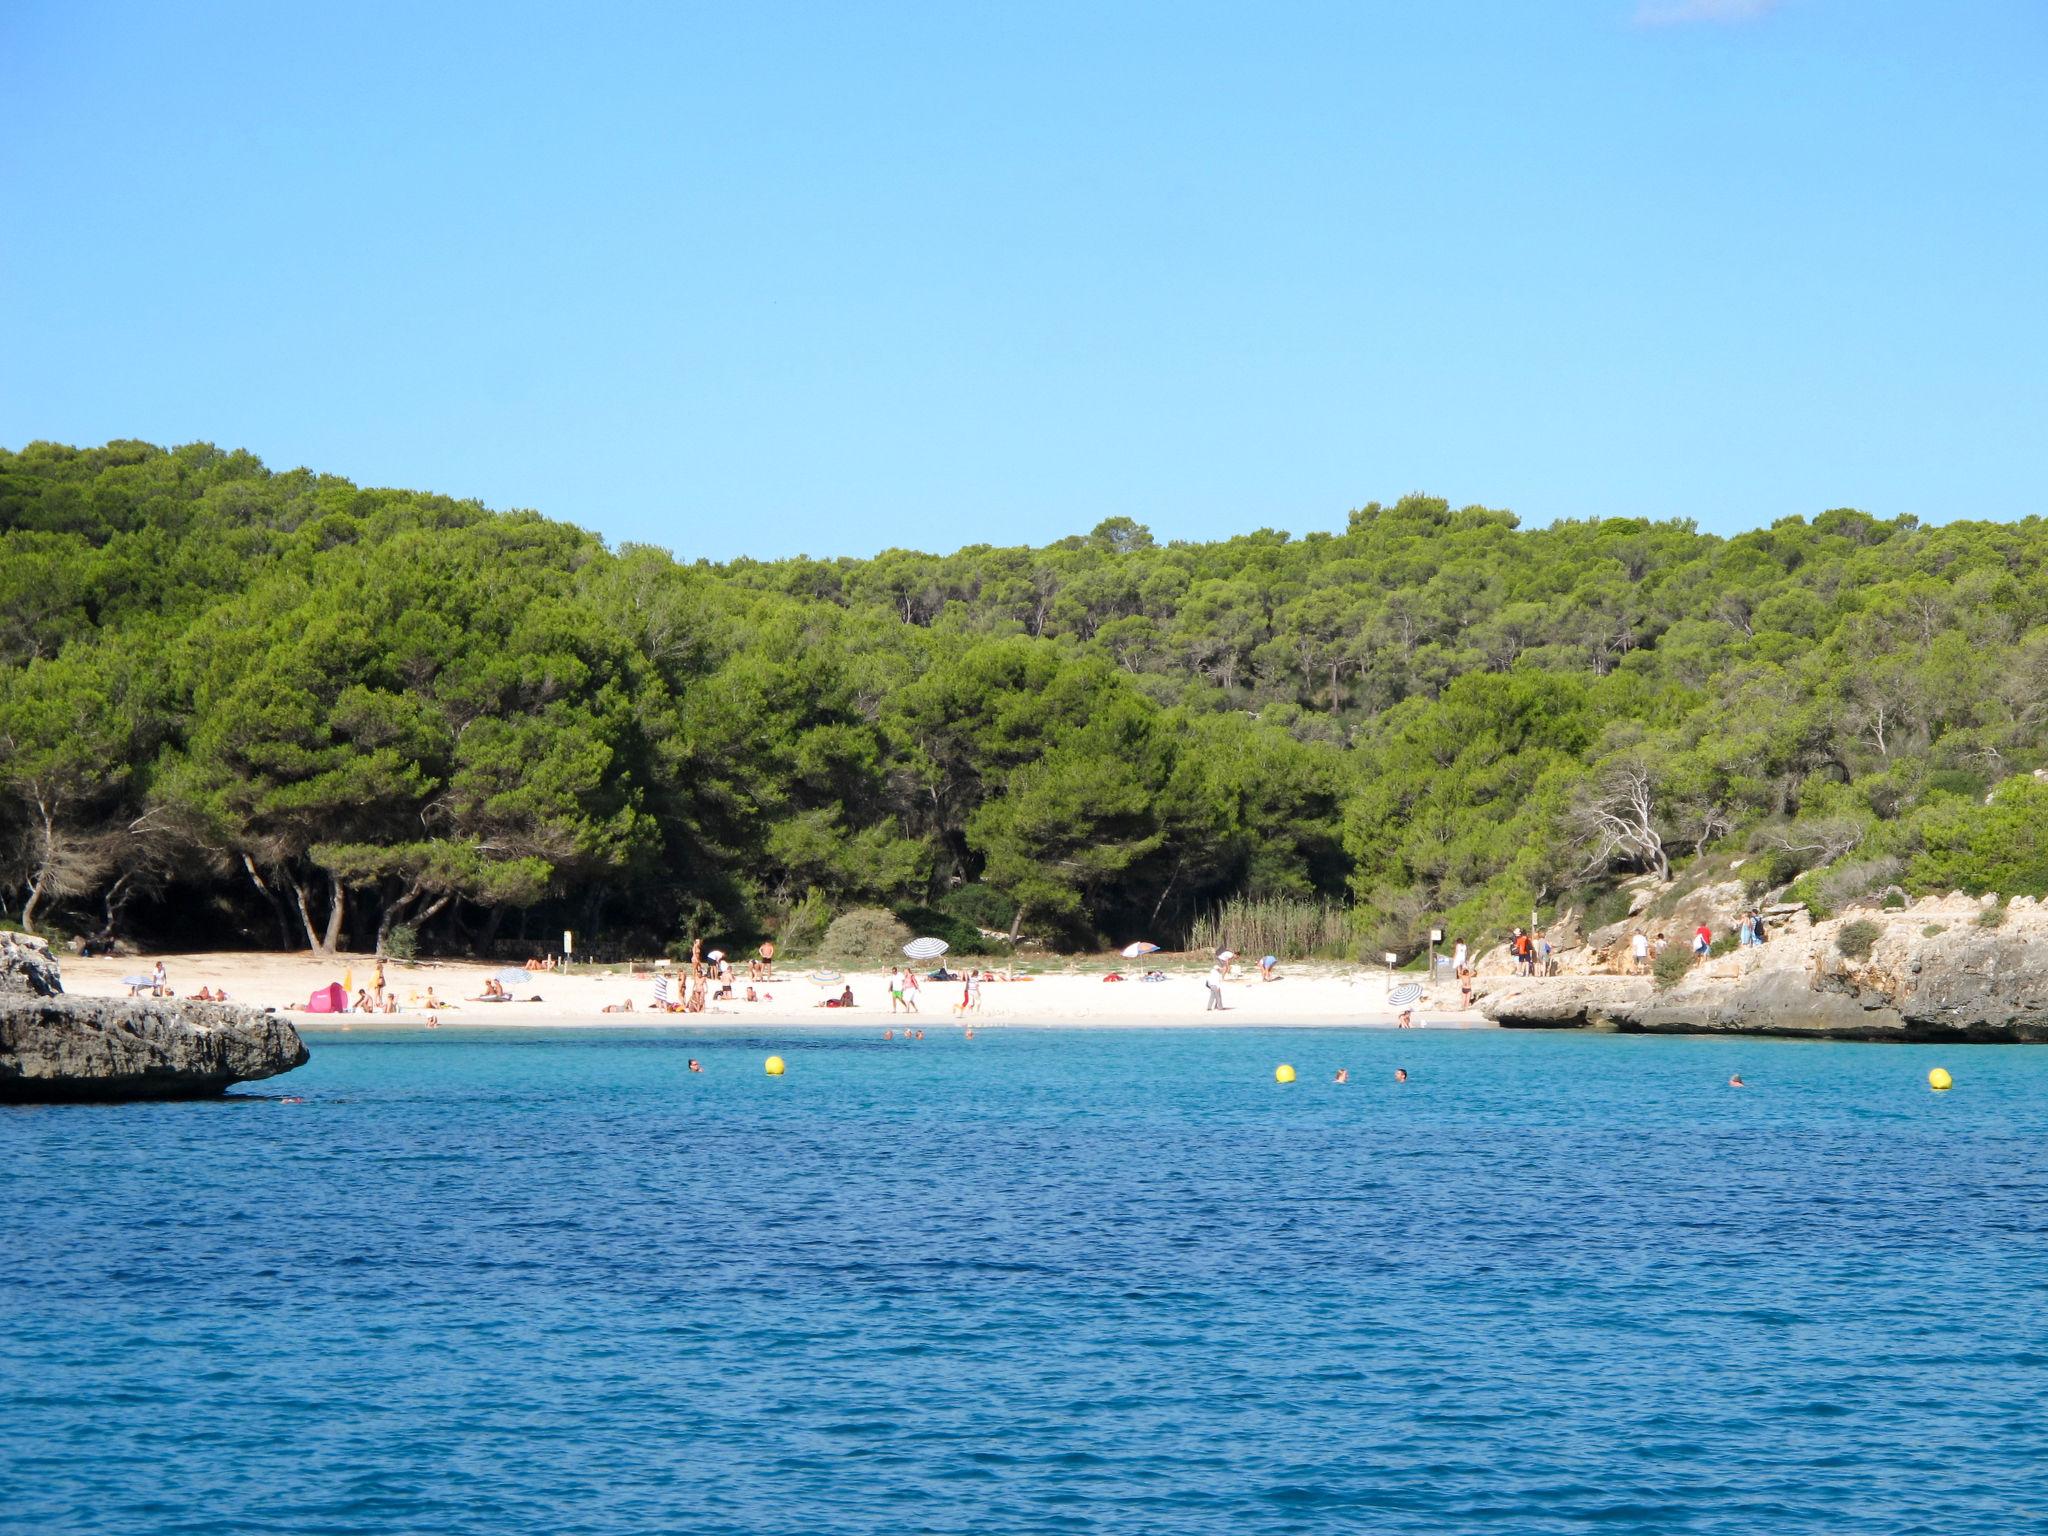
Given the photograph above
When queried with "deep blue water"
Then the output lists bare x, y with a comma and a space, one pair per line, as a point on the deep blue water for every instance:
1037, 1282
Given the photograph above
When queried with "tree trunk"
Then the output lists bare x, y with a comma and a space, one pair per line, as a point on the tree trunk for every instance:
305, 913
337, 911
393, 911
1016, 923
284, 926
43, 863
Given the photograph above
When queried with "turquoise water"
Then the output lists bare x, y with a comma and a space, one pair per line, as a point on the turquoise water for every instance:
1037, 1282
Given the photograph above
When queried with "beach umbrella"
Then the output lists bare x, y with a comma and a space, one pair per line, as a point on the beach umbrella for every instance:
1408, 992
1134, 951
509, 978
717, 954
826, 978
925, 949
146, 979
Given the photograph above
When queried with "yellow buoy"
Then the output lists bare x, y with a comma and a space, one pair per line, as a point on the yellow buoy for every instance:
1939, 1080
775, 1066
1283, 1073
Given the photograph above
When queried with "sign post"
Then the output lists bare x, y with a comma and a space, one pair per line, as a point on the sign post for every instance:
568, 947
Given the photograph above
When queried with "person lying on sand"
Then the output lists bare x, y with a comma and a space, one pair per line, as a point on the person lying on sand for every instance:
625, 1007
1113, 976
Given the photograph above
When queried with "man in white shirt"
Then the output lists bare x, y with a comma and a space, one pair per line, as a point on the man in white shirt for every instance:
1215, 986
1639, 946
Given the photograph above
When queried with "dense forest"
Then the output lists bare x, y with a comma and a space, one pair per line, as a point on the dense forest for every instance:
239, 706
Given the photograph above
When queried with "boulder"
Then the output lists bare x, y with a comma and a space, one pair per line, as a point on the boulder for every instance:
54, 1047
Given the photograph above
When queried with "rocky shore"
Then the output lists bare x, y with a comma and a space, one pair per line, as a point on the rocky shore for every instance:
54, 1047
1950, 968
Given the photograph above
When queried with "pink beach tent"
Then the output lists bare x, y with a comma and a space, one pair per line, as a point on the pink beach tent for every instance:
328, 999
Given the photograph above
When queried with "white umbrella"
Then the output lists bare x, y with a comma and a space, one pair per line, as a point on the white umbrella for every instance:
926, 949
1406, 993
1134, 951
512, 978
825, 978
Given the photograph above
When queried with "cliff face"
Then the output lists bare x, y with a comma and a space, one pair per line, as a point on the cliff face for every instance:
1936, 971
54, 1047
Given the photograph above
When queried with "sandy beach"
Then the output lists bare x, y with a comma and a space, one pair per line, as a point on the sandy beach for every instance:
1073, 996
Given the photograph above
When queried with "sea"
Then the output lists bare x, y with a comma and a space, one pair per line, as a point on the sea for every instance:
1038, 1281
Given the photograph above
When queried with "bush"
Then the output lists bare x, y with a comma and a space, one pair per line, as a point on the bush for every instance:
402, 942
1933, 930
1992, 916
1843, 884
979, 906
1806, 890
803, 926
962, 938
1856, 940
1671, 964
1894, 901
864, 934
1723, 945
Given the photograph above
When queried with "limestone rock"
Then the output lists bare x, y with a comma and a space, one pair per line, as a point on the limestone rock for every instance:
54, 1047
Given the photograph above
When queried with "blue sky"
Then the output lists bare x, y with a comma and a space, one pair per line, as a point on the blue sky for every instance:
772, 278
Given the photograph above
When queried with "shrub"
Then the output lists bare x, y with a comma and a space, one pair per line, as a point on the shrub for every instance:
962, 938
865, 933
1856, 940
1992, 916
1895, 901
1806, 889
1840, 885
1672, 962
1723, 945
1933, 930
402, 942
979, 906
803, 926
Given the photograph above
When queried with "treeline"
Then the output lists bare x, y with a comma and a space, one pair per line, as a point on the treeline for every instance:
290, 710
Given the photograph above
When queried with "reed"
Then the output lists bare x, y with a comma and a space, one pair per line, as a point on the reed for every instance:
1289, 928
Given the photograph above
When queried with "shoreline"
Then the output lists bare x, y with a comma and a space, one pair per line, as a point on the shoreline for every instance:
1310, 996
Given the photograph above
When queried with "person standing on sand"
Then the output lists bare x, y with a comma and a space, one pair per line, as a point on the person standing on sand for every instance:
910, 989
1639, 951
1465, 987
1215, 985
162, 979
377, 986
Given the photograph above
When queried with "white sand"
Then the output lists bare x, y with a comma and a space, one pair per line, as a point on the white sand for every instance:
1075, 996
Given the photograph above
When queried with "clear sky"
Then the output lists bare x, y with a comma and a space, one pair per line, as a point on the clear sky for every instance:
762, 278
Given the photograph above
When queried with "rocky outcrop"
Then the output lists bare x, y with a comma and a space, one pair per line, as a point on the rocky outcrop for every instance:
1947, 968
54, 1047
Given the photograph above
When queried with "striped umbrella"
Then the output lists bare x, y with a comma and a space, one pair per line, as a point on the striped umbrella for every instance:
926, 949
825, 978
1408, 992
1134, 951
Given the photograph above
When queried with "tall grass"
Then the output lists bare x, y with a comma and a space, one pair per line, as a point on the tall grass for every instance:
1289, 928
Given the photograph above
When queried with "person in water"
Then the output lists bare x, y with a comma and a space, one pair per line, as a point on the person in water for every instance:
1343, 1074
1400, 1074
696, 1065
1737, 1082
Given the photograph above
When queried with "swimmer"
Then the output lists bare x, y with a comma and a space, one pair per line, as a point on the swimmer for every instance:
433, 1022
1400, 1074
970, 1031
291, 1099
1737, 1082
920, 1034
696, 1065
890, 1034
1343, 1074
